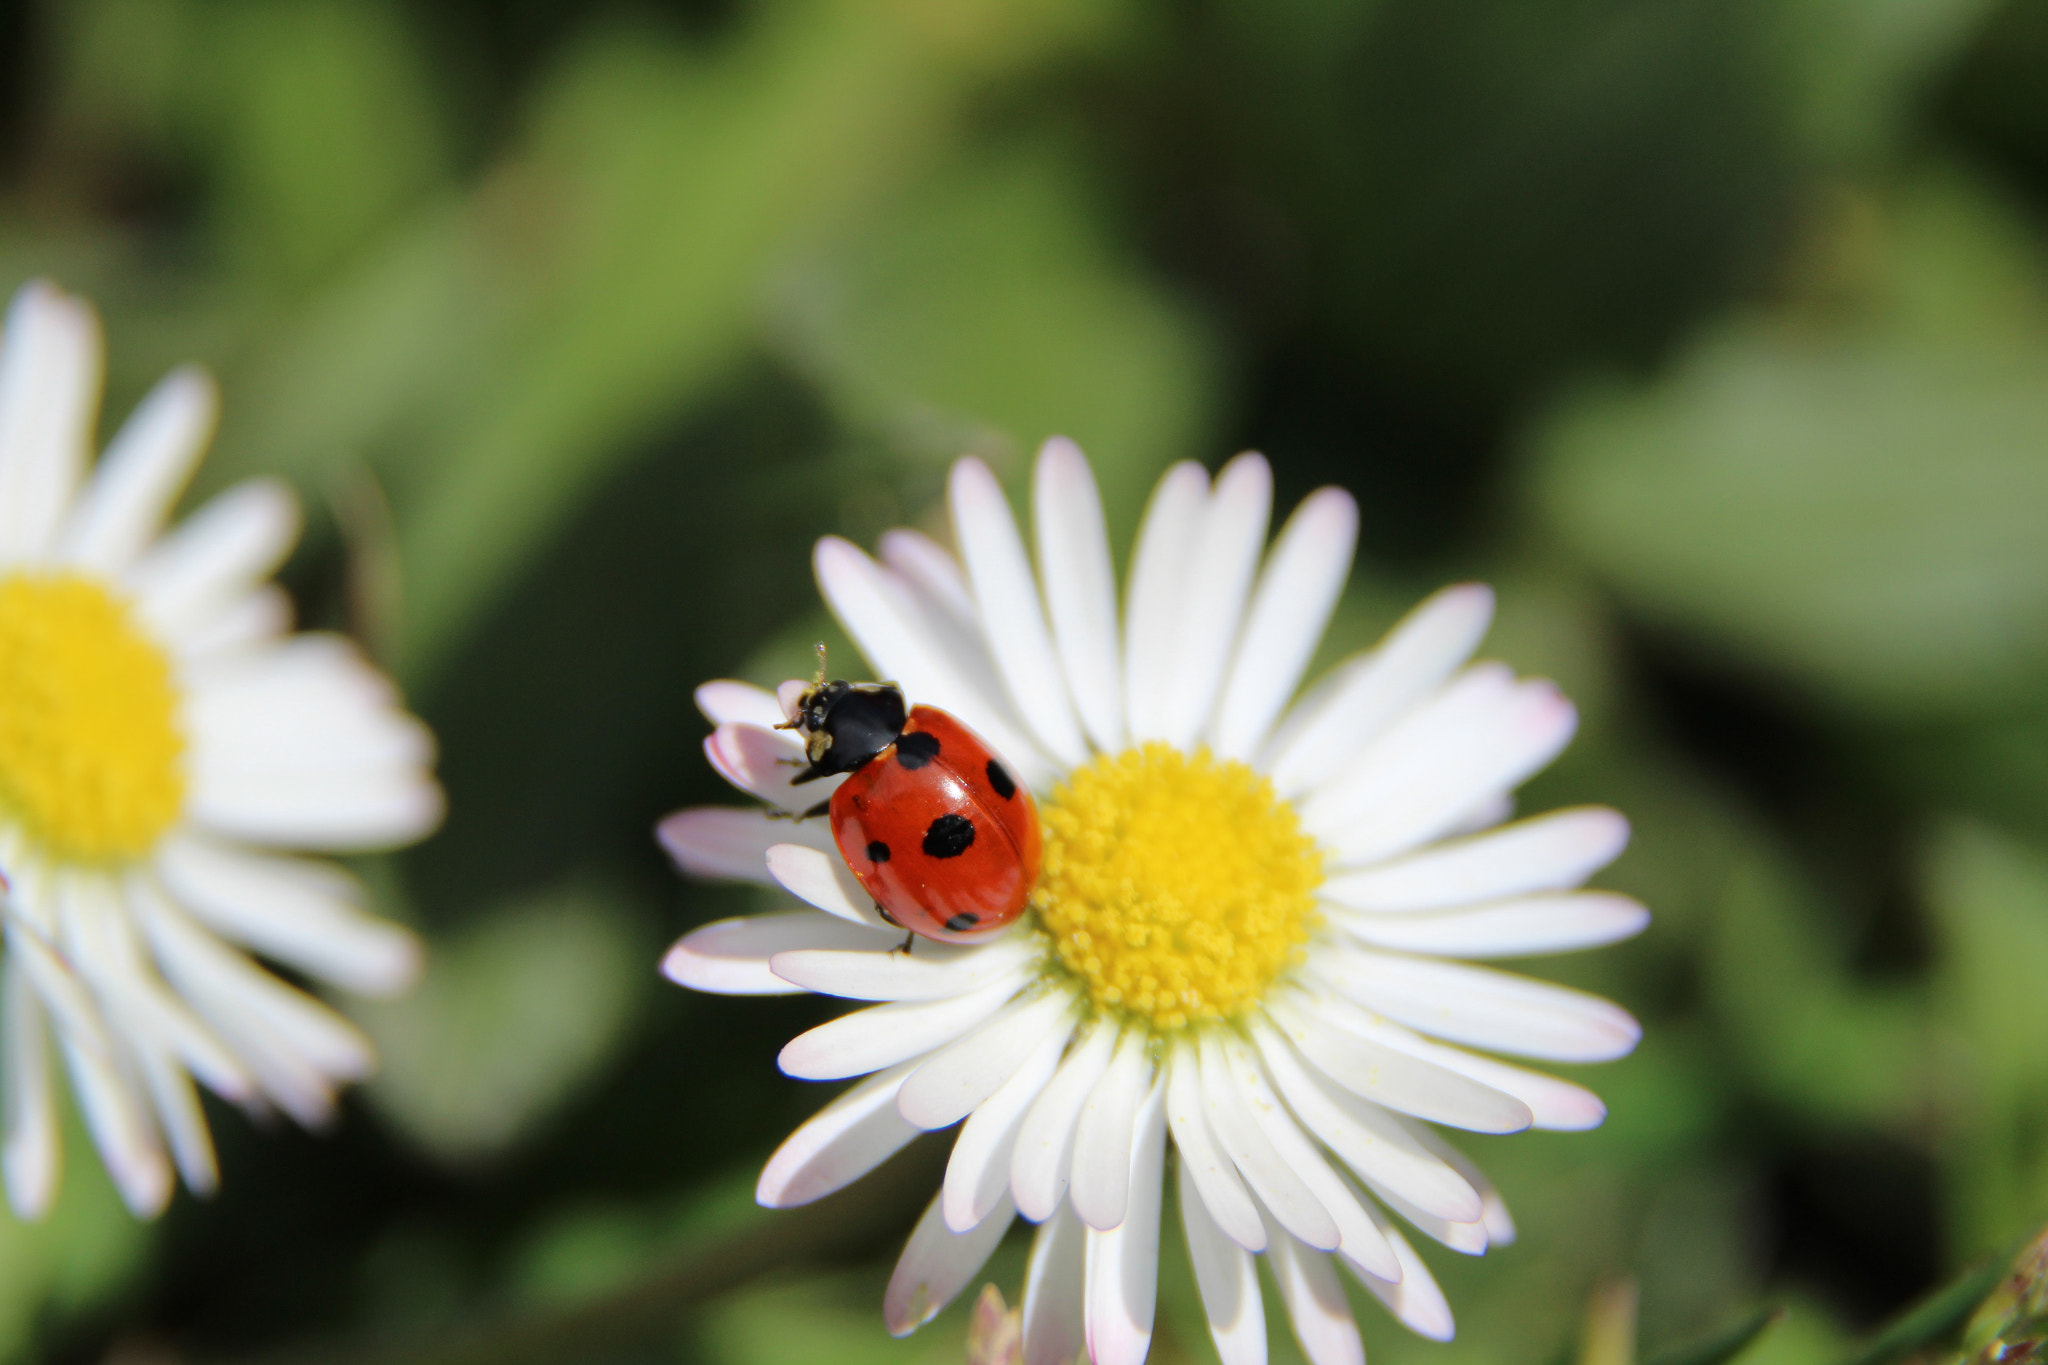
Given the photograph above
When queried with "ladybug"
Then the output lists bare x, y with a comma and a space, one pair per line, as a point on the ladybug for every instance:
933, 824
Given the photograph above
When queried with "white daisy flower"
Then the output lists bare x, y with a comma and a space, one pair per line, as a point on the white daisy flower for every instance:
1251, 941
163, 736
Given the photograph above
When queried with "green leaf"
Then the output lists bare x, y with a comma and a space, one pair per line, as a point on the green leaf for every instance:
511, 1016
1729, 1343
1989, 900
1854, 504
1935, 1319
1809, 1035
989, 309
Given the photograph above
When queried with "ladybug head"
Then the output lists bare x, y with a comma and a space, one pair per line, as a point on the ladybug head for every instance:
845, 724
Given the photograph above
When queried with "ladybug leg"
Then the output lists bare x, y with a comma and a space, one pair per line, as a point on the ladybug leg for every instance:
797, 817
909, 937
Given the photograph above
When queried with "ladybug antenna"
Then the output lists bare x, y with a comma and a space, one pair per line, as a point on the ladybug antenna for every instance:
819, 680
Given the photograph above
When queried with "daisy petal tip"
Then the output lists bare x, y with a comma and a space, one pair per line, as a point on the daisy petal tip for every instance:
31, 1186
400, 956
673, 833
769, 1192
676, 962
905, 1312
693, 839
834, 559
726, 700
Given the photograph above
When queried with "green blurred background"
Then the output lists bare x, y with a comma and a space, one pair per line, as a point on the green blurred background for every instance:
1713, 332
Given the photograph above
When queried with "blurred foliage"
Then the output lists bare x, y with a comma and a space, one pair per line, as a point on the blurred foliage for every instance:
1714, 332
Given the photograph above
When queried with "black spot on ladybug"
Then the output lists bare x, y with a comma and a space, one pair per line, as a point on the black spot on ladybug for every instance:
916, 749
1000, 779
963, 921
878, 852
949, 836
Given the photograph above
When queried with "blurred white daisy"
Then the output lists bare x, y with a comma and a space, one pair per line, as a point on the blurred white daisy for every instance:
1251, 937
162, 736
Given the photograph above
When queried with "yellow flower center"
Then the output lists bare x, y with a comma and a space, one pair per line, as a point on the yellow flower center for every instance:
1174, 886
90, 750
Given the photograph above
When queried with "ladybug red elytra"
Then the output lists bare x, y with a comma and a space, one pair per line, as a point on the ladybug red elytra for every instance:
933, 824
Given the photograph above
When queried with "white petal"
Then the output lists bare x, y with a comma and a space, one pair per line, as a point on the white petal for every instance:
1369, 1139
824, 880
239, 626
144, 469
930, 590
841, 1143
878, 971
1316, 1306
49, 392
1303, 577
1123, 1261
1277, 1183
933, 574
62, 993
1227, 1277
1219, 578
1494, 810
1510, 928
900, 643
1006, 601
1467, 1239
1167, 543
102, 945
338, 815
1500, 1227
307, 705
121, 1129
1104, 1132
303, 744
33, 1148
1054, 1322
1552, 1103
1553, 852
764, 764
1367, 693
978, 1172
1039, 1167
1080, 587
299, 913
1416, 1300
1357, 1235
1230, 1206
295, 1045
1375, 1071
731, 956
725, 702
936, 1265
176, 1103
225, 548
871, 1039
1427, 775
957, 1079
1484, 1007
717, 841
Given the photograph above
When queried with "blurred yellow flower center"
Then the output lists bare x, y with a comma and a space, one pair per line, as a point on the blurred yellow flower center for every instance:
1174, 886
90, 751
